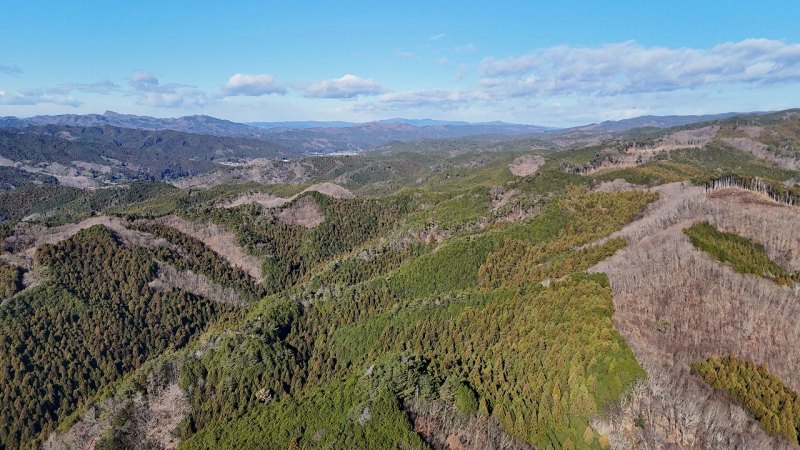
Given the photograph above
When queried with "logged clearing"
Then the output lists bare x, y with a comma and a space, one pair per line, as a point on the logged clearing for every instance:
675, 304
617, 185
500, 196
330, 189
696, 138
304, 213
265, 200
638, 154
29, 237
762, 151
154, 420
218, 239
195, 283
271, 201
526, 165
444, 427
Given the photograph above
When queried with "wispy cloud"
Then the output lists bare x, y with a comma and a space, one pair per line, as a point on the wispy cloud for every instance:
10, 70
252, 85
438, 37
36, 97
150, 92
466, 48
103, 87
627, 68
461, 74
347, 86
574, 84
99, 87
405, 54
58, 95
427, 98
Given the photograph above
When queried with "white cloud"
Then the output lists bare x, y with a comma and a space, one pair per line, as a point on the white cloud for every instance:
437, 37
347, 86
143, 81
627, 68
37, 97
252, 85
150, 92
104, 87
405, 54
10, 70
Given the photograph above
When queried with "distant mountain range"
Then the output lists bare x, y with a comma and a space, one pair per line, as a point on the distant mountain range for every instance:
300, 125
334, 136
188, 124
340, 124
86, 156
103, 149
653, 122
199, 124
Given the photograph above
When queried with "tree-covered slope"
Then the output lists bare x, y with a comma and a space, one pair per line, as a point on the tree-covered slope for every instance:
94, 321
451, 301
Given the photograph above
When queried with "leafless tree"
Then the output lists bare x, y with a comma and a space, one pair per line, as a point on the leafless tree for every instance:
675, 304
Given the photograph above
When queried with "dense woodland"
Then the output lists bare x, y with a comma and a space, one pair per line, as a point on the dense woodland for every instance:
446, 293
451, 335
290, 250
96, 321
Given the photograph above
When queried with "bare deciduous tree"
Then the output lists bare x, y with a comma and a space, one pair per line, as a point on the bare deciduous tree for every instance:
675, 304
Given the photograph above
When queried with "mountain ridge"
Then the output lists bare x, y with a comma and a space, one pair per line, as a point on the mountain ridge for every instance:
204, 124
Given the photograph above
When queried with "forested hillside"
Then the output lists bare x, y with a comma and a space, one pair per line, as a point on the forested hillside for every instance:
447, 294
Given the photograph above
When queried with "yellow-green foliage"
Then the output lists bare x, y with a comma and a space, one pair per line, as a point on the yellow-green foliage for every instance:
713, 160
543, 360
465, 399
517, 264
597, 214
578, 219
743, 254
539, 360
341, 415
657, 172
773, 404
456, 264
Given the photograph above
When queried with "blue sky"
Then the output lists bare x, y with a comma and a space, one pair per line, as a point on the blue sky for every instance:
550, 63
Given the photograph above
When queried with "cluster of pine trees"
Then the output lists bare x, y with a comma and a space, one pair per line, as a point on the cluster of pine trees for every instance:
93, 322
743, 254
290, 250
773, 404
